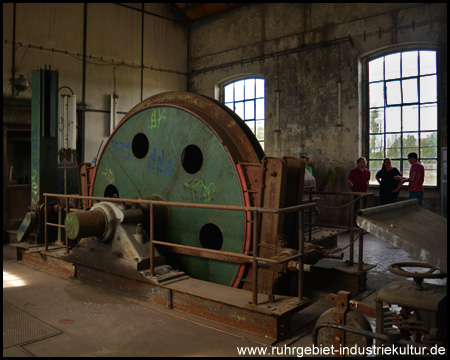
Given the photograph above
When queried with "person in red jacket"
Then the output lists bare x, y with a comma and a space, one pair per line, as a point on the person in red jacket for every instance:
415, 179
358, 180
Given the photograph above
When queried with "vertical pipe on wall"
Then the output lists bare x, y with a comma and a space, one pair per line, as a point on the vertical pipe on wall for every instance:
277, 131
13, 66
83, 90
188, 58
83, 81
142, 53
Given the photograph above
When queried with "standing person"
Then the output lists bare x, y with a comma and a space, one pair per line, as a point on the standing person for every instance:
415, 179
358, 180
306, 160
388, 184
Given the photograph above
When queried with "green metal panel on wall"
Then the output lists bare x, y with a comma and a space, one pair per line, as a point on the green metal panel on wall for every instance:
44, 141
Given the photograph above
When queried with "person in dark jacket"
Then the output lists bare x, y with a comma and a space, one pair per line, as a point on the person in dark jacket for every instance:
388, 183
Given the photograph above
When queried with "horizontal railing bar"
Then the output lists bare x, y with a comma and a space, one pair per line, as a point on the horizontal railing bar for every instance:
192, 205
216, 254
362, 194
57, 225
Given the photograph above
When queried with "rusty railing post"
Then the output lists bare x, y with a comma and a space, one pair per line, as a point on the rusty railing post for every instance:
301, 238
45, 225
310, 217
65, 232
361, 234
352, 224
152, 249
255, 261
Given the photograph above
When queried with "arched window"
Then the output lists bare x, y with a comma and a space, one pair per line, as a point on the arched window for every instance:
403, 111
246, 98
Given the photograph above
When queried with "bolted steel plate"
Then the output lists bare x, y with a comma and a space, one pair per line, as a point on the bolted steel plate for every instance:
173, 153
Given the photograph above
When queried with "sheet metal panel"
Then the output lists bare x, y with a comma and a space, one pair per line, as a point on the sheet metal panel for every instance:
418, 231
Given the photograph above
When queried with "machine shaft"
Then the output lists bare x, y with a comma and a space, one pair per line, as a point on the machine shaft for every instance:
86, 224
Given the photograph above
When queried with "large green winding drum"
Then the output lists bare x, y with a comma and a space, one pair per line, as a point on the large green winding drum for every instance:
184, 147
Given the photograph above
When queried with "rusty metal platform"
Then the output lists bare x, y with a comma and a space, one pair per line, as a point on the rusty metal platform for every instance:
216, 305
50, 260
338, 274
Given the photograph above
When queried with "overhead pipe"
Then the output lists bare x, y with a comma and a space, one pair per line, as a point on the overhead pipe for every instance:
277, 54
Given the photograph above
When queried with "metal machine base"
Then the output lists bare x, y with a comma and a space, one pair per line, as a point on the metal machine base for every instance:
215, 305
340, 274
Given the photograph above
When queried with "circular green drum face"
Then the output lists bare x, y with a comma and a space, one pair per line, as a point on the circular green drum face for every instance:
167, 152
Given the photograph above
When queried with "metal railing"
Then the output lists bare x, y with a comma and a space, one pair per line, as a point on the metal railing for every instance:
255, 260
356, 196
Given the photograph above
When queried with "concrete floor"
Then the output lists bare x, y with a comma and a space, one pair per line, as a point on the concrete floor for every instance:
88, 321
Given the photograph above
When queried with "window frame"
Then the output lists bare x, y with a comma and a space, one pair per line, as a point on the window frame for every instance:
366, 124
255, 119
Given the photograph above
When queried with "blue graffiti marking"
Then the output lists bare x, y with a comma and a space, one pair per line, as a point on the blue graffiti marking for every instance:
122, 148
159, 163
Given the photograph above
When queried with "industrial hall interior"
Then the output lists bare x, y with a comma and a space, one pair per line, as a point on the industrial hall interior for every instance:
224, 179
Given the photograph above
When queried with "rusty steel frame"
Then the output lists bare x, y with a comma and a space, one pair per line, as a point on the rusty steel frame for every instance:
206, 253
356, 196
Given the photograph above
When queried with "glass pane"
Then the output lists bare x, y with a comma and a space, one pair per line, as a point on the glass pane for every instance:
427, 62
376, 146
428, 89
260, 130
409, 64
428, 117
392, 66
393, 146
228, 93
250, 89
376, 69
250, 110
431, 168
393, 94
428, 144
251, 125
396, 164
239, 90
393, 119
410, 143
406, 167
239, 109
259, 88
410, 89
374, 167
411, 118
230, 105
377, 121
376, 95
260, 109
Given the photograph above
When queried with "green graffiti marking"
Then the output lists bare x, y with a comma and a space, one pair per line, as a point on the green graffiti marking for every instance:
155, 119
200, 190
109, 175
